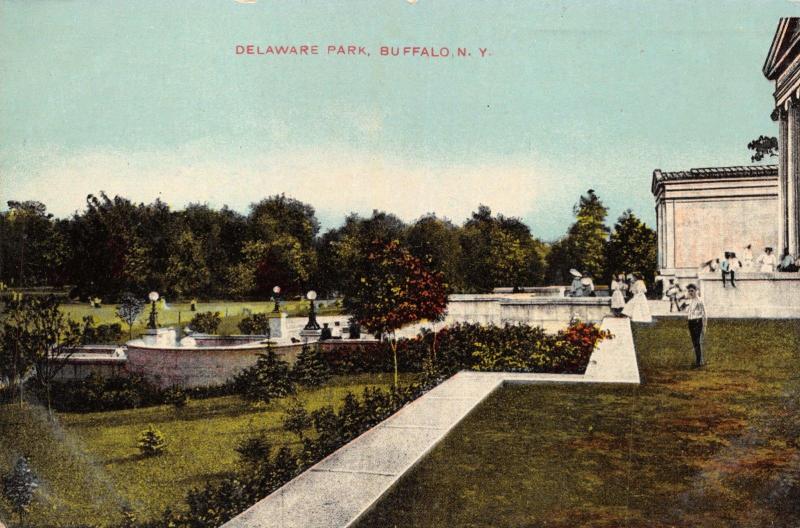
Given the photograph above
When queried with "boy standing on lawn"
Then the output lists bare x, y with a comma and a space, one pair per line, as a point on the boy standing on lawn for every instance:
696, 313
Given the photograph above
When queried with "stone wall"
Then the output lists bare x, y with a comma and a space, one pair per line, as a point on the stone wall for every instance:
757, 295
197, 367
551, 313
77, 370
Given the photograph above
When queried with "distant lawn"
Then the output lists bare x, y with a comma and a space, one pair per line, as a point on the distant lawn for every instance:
716, 447
232, 313
90, 467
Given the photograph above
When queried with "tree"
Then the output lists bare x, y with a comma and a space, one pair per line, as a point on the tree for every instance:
310, 370
129, 309
266, 380
15, 360
151, 442
206, 322
395, 289
583, 247
44, 337
342, 252
19, 485
498, 251
187, 271
632, 247
436, 242
763, 147
32, 247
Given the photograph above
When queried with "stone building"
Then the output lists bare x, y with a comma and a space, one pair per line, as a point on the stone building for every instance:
701, 213
783, 67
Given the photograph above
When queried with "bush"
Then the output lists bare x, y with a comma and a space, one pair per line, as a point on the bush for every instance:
19, 486
254, 451
310, 370
266, 380
176, 397
297, 420
256, 324
151, 442
104, 334
206, 322
95, 393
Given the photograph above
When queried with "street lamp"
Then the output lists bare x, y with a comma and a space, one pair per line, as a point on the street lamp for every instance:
152, 323
312, 316
277, 291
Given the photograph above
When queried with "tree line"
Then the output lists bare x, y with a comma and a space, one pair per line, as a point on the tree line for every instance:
115, 245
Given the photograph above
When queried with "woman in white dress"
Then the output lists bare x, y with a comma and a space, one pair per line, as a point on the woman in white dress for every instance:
747, 258
637, 308
617, 297
767, 261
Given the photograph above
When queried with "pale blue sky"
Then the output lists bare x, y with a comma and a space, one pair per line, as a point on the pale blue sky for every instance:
148, 99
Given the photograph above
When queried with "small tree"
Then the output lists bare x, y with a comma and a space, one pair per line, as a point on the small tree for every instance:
310, 370
267, 379
151, 441
206, 322
256, 324
43, 337
297, 420
19, 486
128, 311
395, 289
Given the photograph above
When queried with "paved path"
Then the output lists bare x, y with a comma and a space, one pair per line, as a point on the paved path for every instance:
338, 489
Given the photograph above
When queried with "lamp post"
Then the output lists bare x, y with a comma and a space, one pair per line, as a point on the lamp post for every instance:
277, 291
152, 323
312, 316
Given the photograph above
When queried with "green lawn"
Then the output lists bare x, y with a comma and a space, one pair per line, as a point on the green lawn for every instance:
232, 313
697, 448
90, 467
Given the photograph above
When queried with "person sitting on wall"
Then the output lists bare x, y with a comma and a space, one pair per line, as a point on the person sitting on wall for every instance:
767, 261
729, 265
787, 262
587, 285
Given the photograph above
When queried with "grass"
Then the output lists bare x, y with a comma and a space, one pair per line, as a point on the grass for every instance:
232, 313
90, 467
702, 448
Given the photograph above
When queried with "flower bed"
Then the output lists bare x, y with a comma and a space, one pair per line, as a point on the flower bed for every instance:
509, 348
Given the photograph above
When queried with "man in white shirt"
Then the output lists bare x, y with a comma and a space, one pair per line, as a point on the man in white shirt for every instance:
696, 314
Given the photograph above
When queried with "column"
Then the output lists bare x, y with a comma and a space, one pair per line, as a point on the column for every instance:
792, 159
783, 155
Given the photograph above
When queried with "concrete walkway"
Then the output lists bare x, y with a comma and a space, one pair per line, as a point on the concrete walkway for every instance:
341, 487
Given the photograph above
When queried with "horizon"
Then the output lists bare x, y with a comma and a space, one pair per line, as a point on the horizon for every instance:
146, 102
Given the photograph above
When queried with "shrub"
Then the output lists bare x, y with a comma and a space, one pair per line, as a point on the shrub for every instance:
206, 322
254, 451
310, 370
176, 397
297, 420
106, 334
267, 379
151, 442
19, 486
256, 324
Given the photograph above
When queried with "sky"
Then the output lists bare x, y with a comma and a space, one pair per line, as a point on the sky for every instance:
149, 99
